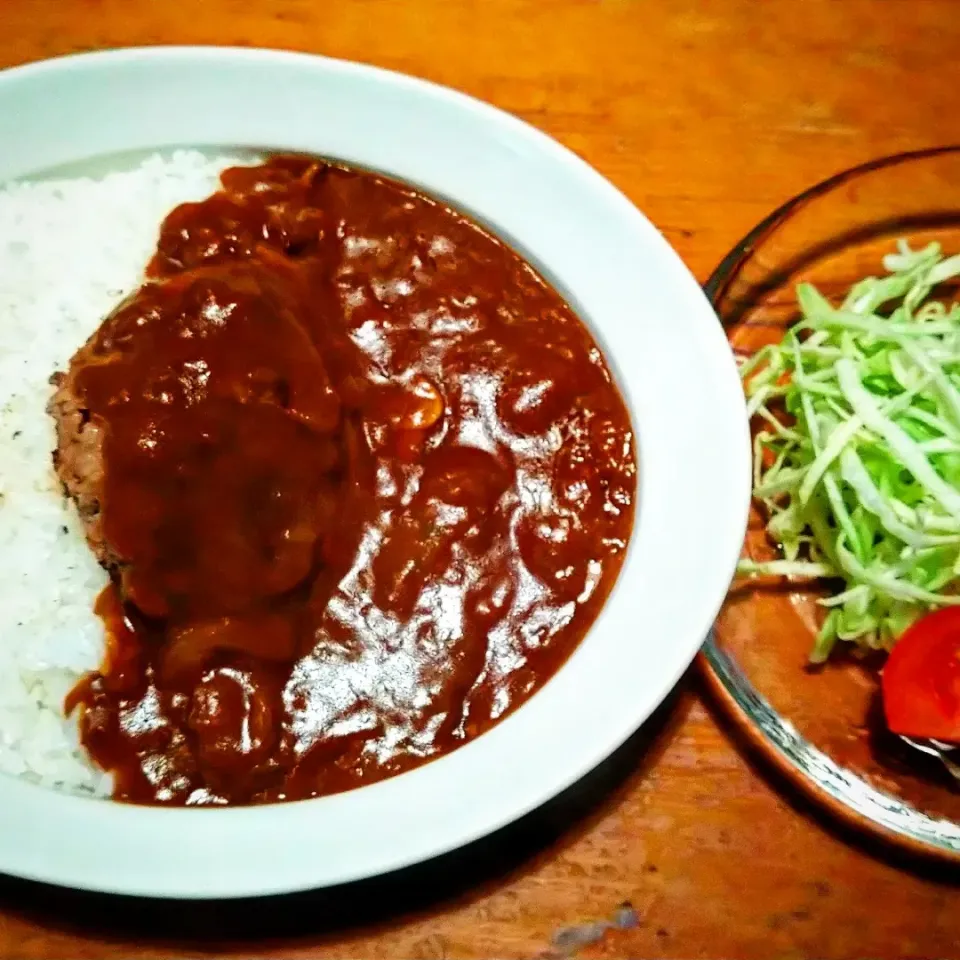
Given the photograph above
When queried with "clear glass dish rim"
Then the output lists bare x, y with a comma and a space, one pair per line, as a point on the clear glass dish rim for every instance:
847, 795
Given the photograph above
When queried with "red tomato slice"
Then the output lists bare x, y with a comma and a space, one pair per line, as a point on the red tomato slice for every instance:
921, 678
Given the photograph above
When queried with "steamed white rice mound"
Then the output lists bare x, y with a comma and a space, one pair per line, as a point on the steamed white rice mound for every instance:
69, 250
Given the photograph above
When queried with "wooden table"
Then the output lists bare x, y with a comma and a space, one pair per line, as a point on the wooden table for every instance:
707, 114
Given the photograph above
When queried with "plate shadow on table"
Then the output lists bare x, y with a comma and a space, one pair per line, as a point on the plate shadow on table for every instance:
456, 878
923, 866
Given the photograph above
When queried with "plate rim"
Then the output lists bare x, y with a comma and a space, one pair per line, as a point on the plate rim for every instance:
59, 856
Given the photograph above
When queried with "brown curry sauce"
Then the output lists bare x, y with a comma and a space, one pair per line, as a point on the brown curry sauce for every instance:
369, 481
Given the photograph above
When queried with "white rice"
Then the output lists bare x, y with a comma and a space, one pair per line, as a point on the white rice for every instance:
69, 250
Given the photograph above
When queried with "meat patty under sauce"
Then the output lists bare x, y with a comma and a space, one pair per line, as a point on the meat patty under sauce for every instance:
362, 481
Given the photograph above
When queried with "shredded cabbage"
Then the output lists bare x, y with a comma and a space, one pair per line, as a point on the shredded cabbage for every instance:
857, 451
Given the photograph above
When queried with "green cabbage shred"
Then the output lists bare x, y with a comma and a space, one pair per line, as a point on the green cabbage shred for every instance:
857, 449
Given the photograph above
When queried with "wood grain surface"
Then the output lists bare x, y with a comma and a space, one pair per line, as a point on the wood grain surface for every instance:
707, 114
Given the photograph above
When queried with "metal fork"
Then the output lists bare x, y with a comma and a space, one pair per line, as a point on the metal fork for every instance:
937, 748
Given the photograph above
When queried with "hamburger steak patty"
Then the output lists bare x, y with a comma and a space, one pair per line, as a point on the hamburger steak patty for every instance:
78, 461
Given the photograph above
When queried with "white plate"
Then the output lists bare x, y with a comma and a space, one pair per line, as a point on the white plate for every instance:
671, 361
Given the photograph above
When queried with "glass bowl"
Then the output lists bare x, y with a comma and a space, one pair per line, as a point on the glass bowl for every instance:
823, 726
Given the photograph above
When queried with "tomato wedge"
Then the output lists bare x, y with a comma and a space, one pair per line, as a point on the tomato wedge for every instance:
921, 678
